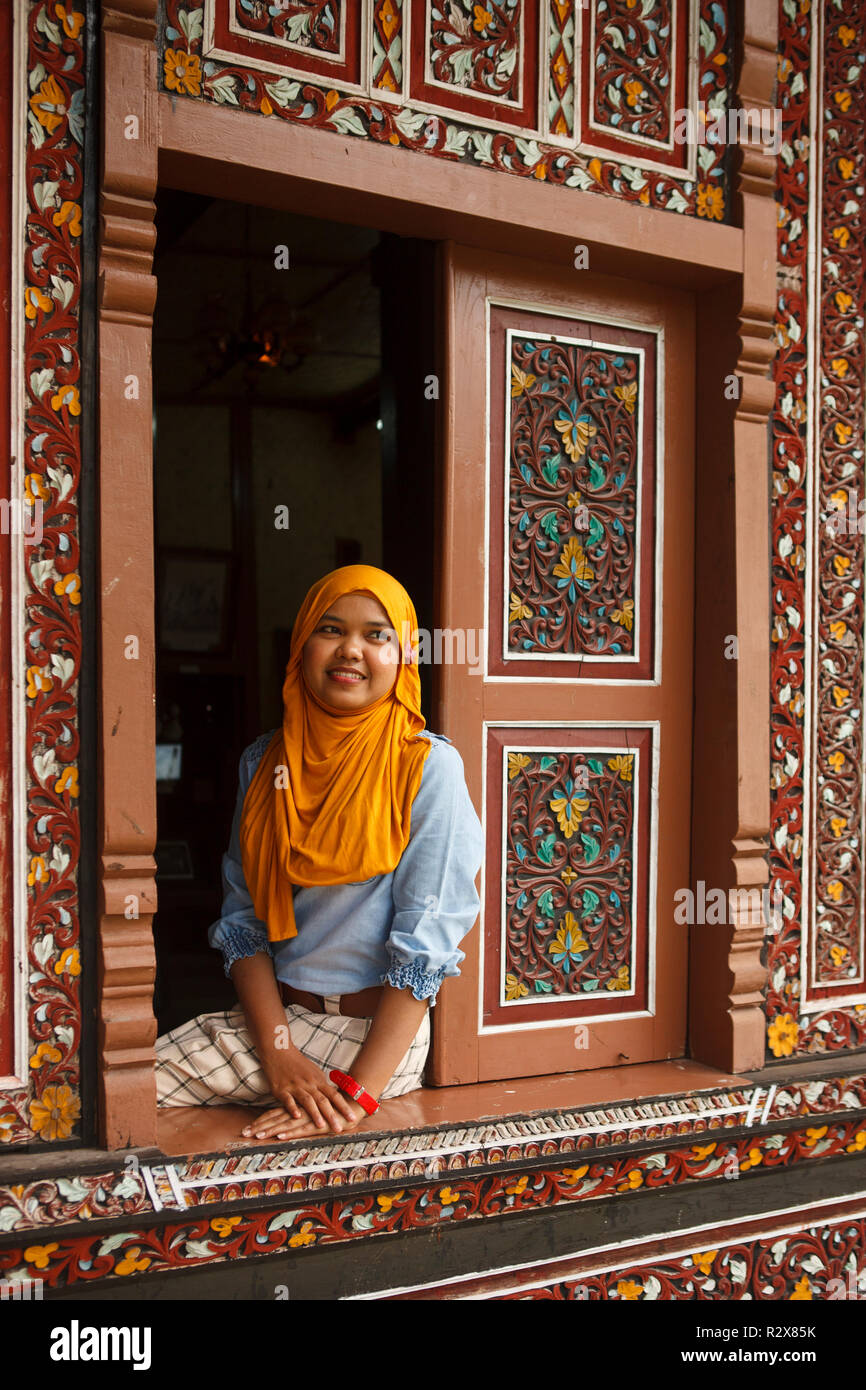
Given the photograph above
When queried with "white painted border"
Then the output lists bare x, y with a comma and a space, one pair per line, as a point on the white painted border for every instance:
550, 999
19, 982
554, 725
610, 658
689, 1247
657, 329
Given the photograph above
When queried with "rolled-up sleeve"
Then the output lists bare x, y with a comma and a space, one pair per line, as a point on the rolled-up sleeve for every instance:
239, 932
433, 887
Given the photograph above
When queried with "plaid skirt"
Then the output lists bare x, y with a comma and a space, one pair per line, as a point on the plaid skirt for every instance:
211, 1059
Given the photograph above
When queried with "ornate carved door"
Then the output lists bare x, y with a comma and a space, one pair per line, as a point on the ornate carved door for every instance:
566, 534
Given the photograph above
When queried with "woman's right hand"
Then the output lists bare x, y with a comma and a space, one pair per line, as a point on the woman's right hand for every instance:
302, 1087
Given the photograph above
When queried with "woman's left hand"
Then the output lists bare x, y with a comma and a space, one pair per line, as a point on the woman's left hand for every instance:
279, 1124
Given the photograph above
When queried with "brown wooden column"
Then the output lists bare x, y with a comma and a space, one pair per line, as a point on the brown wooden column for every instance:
127, 293
732, 752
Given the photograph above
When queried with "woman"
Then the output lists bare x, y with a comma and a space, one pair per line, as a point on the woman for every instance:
349, 881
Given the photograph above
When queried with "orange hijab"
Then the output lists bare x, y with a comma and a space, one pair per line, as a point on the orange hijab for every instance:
331, 799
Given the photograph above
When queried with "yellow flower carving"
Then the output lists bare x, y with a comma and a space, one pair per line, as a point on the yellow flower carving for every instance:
182, 72
517, 1187
70, 213
71, 21
518, 609
516, 763
447, 1196
45, 1052
520, 381
834, 891
847, 35
843, 99
574, 500
703, 1260
838, 630
625, 615
842, 236
53, 1115
34, 301
305, 1236
634, 92
623, 763
386, 1200
514, 988
841, 564
482, 18
702, 1151
68, 778
628, 395
69, 584
858, 1142
839, 365
840, 695
38, 871
711, 203
37, 680
571, 1176
802, 1290
576, 434
67, 396
813, 1135
568, 876
842, 431
846, 168
838, 825
569, 941
69, 960
621, 981
39, 1255
569, 812
34, 488
632, 1182
224, 1225
782, 1034
133, 1261
629, 1290
836, 761
573, 563
843, 301
49, 104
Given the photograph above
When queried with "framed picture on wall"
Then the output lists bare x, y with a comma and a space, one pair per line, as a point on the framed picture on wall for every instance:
194, 601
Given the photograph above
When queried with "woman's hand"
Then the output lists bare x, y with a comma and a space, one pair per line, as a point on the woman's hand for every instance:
305, 1094
279, 1124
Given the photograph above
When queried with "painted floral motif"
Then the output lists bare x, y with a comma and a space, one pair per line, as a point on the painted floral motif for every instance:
476, 46
331, 1218
632, 90
576, 417
313, 24
828, 935
823, 1262
387, 60
560, 92
48, 1110
568, 875
451, 135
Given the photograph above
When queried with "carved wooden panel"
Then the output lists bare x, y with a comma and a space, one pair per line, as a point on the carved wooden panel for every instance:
567, 919
573, 424
581, 95
816, 1001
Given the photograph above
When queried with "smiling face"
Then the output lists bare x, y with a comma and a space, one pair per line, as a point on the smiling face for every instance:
350, 658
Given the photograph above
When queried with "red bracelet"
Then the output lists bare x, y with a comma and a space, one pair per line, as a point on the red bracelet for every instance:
355, 1091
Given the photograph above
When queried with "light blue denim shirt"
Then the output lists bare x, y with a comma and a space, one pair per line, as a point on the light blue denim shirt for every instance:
403, 927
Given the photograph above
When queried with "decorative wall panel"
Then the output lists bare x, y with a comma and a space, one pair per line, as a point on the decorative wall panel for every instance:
824, 1261
45, 1106
295, 1199
578, 95
566, 918
573, 479
817, 1001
